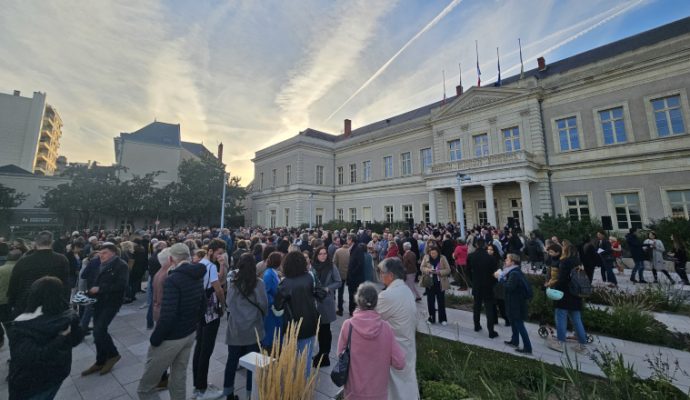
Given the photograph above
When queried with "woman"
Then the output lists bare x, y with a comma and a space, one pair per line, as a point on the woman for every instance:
460, 256
374, 247
247, 306
392, 249
258, 252
570, 305
436, 266
499, 292
517, 293
369, 334
41, 341
74, 258
656, 248
261, 266
328, 276
272, 323
680, 258
295, 299
617, 253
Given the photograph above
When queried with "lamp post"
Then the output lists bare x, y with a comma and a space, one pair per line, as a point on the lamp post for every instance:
311, 208
222, 206
459, 209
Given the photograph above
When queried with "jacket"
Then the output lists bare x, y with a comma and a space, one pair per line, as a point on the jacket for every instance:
355, 266
246, 315
111, 282
516, 295
341, 259
183, 303
569, 301
368, 376
460, 254
36, 343
31, 267
271, 321
410, 262
5, 274
635, 247
329, 277
442, 266
482, 267
295, 298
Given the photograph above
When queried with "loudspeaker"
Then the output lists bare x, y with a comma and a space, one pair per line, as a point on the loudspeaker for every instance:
511, 222
606, 223
359, 223
410, 222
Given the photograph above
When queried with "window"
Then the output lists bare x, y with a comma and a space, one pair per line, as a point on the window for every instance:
407, 212
679, 200
406, 164
455, 150
481, 145
319, 217
482, 215
613, 126
272, 223
668, 116
568, 136
511, 139
366, 215
388, 167
577, 207
340, 175
319, 174
274, 177
366, 171
455, 212
340, 214
287, 217
288, 173
353, 215
627, 208
261, 181
515, 211
388, 213
426, 158
426, 213
353, 173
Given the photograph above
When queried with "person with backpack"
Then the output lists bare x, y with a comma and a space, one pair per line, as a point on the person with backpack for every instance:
518, 293
571, 303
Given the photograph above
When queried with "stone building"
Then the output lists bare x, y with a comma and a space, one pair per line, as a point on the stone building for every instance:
599, 134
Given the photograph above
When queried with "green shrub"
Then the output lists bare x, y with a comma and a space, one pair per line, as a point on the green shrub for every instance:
454, 301
565, 228
434, 390
540, 308
666, 227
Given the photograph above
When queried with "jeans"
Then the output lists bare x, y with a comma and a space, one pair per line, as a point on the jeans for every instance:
102, 317
607, 274
308, 346
436, 294
562, 325
86, 317
341, 293
149, 299
47, 394
234, 355
639, 269
488, 308
519, 330
325, 338
205, 342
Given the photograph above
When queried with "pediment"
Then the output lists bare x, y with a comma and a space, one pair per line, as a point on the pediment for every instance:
476, 98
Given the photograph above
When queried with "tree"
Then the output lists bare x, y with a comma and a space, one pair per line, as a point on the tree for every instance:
9, 199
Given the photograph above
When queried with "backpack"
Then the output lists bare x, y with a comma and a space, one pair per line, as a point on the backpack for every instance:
579, 285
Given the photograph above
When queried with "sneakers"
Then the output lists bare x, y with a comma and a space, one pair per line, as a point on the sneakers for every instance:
430, 321
82, 299
444, 323
509, 343
211, 393
92, 369
109, 364
523, 351
555, 345
580, 348
493, 335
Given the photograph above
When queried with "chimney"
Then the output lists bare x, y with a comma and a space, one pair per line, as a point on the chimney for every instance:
220, 152
17, 92
348, 128
542, 63
458, 90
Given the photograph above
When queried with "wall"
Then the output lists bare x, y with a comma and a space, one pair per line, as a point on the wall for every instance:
20, 126
142, 158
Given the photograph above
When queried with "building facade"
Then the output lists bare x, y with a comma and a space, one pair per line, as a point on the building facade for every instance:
30, 132
601, 134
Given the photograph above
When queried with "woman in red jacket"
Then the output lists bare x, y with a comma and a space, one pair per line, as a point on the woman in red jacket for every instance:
460, 257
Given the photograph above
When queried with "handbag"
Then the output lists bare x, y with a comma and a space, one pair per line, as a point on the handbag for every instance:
341, 370
427, 281
213, 307
319, 291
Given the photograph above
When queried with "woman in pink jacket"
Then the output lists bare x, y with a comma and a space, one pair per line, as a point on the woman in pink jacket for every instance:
460, 257
368, 376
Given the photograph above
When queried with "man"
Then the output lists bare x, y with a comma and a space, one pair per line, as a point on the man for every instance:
5, 274
172, 339
397, 306
410, 264
481, 267
341, 259
109, 291
335, 245
635, 246
43, 261
606, 256
154, 265
355, 270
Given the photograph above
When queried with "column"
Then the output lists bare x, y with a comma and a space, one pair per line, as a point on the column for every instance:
459, 209
433, 218
527, 224
490, 209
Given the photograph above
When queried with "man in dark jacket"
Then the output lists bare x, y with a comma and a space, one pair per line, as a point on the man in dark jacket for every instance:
174, 334
40, 262
481, 267
635, 247
355, 270
606, 255
109, 291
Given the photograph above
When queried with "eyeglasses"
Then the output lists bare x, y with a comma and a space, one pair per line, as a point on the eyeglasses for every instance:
323, 254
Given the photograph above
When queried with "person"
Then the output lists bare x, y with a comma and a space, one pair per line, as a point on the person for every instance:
5, 273
617, 253
436, 265
247, 306
158, 283
589, 257
74, 259
272, 323
210, 321
637, 253
341, 259
173, 336
606, 257
481, 267
355, 270
91, 267
680, 258
42, 337
295, 299
499, 293
516, 299
153, 266
262, 264
410, 264
42, 261
656, 248
368, 377
460, 256
329, 278
109, 290
535, 252
396, 305
392, 249
570, 305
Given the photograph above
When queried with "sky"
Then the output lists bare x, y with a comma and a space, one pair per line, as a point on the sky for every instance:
252, 73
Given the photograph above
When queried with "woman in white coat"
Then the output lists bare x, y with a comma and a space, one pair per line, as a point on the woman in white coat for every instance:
656, 248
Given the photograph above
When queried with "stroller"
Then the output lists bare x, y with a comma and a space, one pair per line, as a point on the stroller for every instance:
545, 331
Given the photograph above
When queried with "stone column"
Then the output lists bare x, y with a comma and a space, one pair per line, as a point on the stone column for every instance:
433, 217
490, 209
528, 223
459, 209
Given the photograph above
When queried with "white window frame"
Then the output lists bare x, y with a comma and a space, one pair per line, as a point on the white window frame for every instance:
352, 215
288, 174
474, 147
353, 173
366, 171
272, 218
274, 178
627, 122
424, 169
556, 137
340, 214
426, 212
341, 175
665, 201
590, 202
403, 172
385, 170
612, 208
456, 152
684, 110
318, 216
385, 213
519, 138
402, 211
319, 176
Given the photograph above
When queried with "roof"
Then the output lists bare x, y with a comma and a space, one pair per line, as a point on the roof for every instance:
156, 133
197, 149
319, 135
13, 169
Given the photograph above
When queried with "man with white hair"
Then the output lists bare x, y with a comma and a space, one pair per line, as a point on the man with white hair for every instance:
154, 265
410, 264
174, 334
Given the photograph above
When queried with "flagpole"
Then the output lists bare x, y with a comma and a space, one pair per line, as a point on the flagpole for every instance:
443, 72
522, 66
479, 72
498, 60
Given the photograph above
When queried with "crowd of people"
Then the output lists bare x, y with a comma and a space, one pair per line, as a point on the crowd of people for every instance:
54, 292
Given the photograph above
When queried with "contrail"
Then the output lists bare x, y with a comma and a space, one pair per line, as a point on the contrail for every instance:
428, 26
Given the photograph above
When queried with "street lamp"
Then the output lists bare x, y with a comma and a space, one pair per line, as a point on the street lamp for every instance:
459, 209
311, 208
222, 206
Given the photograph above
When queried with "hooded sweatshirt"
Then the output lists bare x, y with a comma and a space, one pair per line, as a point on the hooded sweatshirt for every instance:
368, 375
35, 342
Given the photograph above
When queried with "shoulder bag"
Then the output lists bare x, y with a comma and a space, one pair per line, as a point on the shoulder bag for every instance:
341, 370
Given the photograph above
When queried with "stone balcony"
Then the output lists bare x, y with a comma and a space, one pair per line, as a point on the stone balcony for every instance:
501, 160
